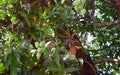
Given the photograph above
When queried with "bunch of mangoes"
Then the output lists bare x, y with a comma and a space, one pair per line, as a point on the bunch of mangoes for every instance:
79, 5
40, 48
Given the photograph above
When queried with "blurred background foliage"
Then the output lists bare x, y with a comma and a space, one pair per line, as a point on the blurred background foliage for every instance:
28, 20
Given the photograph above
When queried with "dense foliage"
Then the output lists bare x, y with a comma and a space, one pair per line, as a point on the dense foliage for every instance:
35, 36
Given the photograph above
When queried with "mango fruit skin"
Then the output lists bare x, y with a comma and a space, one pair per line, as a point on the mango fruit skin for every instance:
83, 11
78, 4
37, 44
42, 43
38, 55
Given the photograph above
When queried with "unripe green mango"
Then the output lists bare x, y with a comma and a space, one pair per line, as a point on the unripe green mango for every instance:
40, 49
42, 43
79, 4
37, 44
38, 55
76, 8
76, 2
83, 11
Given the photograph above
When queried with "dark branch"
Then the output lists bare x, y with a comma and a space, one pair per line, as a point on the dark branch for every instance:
92, 7
107, 60
91, 16
116, 22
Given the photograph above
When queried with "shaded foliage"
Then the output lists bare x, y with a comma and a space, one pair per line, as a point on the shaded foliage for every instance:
48, 37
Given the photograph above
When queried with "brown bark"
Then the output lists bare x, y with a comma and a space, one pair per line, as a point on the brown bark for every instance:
51, 2
88, 67
107, 60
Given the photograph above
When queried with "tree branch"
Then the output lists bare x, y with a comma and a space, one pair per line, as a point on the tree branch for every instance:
116, 22
91, 16
107, 60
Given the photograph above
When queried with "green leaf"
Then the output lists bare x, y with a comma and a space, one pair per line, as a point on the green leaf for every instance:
57, 57
2, 67
14, 64
44, 14
71, 69
14, 20
53, 69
